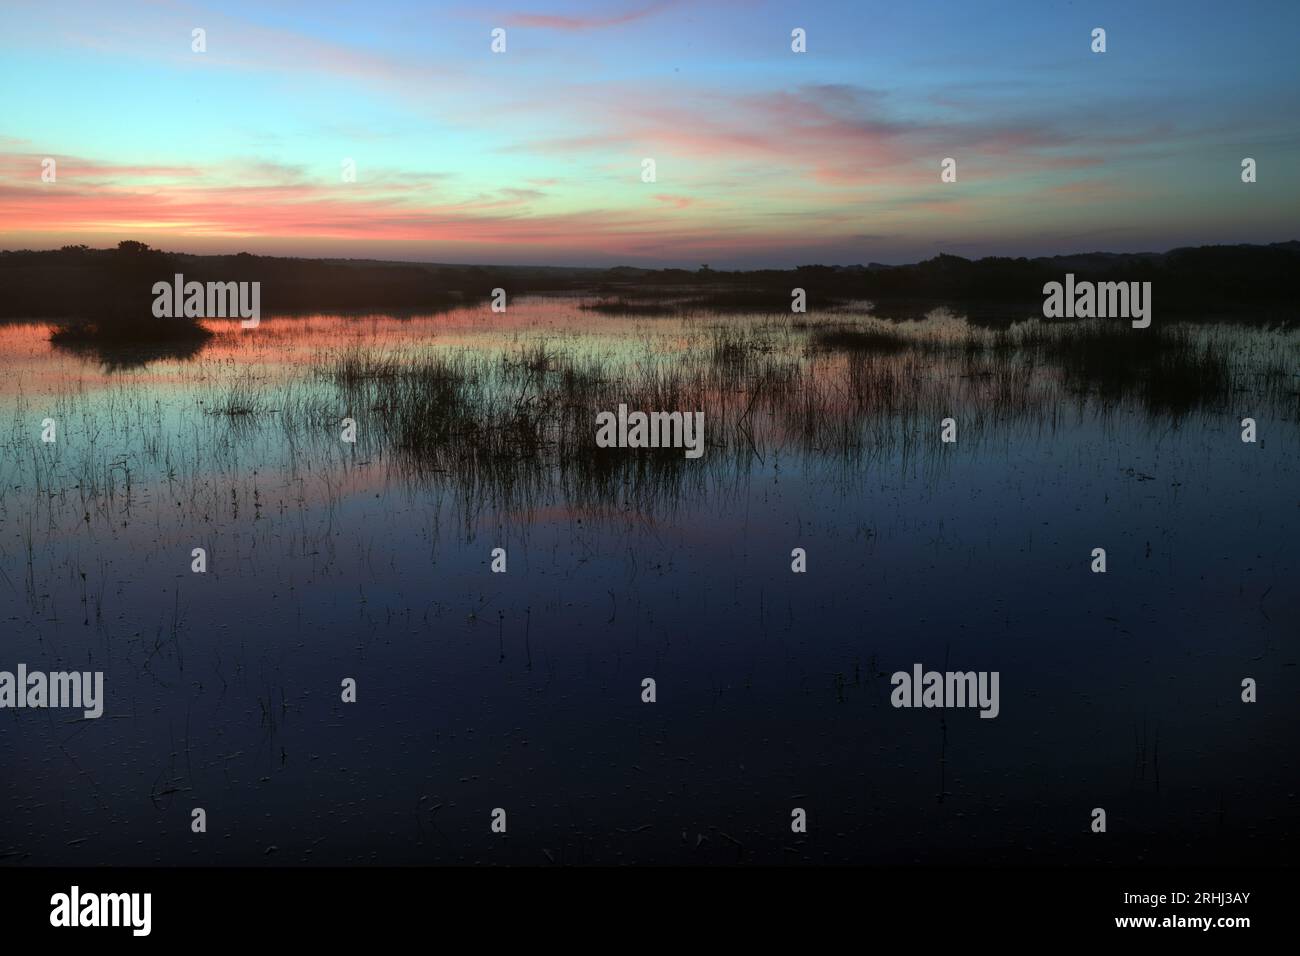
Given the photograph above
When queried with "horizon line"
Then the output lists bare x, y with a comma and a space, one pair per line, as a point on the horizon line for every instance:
662, 268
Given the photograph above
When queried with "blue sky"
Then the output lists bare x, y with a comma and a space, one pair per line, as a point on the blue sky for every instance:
763, 156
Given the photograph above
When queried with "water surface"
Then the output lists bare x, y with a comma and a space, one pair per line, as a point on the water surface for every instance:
329, 560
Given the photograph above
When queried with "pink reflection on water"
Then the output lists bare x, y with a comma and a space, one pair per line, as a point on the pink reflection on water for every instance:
282, 348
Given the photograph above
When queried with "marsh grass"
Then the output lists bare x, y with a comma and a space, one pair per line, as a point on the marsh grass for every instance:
631, 307
243, 397
519, 421
506, 422
875, 340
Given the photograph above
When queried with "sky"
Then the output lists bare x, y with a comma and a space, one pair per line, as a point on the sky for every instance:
763, 157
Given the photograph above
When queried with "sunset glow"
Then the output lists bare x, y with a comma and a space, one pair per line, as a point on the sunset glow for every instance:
763, 157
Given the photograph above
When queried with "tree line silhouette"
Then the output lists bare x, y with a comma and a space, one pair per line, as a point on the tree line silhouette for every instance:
109, 291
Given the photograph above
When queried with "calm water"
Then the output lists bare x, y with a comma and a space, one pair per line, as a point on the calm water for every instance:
522, 690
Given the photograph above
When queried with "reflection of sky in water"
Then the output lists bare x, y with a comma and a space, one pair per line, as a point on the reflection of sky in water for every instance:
523, 690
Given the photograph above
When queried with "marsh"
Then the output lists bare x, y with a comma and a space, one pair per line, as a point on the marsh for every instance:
330, 560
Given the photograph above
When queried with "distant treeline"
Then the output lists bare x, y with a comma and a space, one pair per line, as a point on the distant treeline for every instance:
1205, 280
110, 285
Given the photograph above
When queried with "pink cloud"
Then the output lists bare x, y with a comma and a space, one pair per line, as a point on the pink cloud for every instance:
834, 135
20, 166
594, 22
